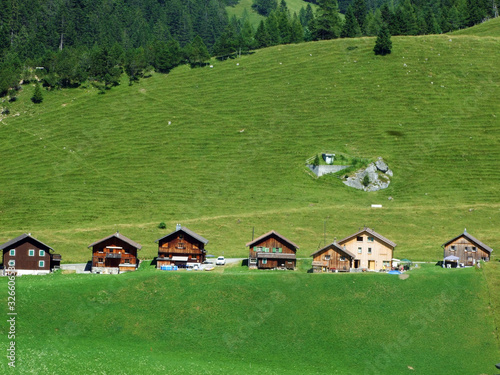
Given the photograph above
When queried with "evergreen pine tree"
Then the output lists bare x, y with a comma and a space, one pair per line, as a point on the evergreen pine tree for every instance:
37, 94
327, 24
261, 37
383, 44
360, 10
351, 28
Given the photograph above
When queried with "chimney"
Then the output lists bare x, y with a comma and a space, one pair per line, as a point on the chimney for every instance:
177, 227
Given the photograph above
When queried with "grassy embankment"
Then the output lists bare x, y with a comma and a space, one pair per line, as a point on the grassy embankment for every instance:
235, 321
222, 150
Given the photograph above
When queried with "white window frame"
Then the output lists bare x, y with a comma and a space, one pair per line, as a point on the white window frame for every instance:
370, 250
41, 263
31, 252
41, 253
12, 263
264, 261
327, 257
360, 250
12, 252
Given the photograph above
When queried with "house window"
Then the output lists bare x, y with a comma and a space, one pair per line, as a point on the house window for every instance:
41, 253
264, 261
253, 261
274, 249
453, 248
474, 249
126, 261
257, 249
342, 259
12, 252
369, 250
31, 252
466, 248
100, 260
360, 250
359, 238
41, 263
12, 263
387, 263
370, 239
327, 257
180, 245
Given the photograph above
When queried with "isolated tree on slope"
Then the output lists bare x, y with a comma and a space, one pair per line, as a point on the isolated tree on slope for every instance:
383, 44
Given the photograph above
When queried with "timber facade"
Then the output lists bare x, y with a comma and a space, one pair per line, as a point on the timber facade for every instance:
332, 258
25, 255
467, 248
180, 248
114, 254
272, 251
371, 250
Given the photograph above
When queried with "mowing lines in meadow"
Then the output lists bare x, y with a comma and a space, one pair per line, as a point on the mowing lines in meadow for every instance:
420, 320
11, 315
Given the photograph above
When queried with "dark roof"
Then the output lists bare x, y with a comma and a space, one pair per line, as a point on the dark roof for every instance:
336, 246
187, 231
373, 233
121, 237
19, 239
472, 239
269, 234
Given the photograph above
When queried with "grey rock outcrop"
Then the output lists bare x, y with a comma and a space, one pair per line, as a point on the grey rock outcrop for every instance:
378, 174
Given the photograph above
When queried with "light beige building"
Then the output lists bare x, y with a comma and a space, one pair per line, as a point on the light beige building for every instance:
371, 250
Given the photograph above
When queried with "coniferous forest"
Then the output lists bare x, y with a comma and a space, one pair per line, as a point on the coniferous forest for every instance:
66, 42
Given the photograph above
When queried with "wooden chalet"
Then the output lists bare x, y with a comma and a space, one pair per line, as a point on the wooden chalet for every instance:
465, 250
272, 251
332, 258
371, 250
114, 254
25, 255
181, 247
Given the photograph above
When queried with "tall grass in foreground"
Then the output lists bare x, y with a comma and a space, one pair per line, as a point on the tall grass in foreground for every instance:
260, 322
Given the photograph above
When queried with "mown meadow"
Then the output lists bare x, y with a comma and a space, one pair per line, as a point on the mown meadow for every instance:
232, 321
221, 150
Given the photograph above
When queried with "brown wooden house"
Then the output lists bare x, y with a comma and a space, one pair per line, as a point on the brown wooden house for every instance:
332, 258
114, 254
25, 255
272, 251
180, 248
466, 250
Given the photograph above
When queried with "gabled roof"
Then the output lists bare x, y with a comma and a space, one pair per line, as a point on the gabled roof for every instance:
373, 233
336, 246
19, 239
121, 237
187, 231
269, 234
471, 239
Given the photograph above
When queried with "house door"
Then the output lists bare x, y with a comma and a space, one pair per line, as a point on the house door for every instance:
356, 263
371, 265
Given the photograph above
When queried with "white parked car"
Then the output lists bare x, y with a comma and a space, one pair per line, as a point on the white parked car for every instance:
220, 261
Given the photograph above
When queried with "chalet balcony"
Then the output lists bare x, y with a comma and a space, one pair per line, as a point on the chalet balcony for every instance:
275, 256
56, 257
320, 263
113, 255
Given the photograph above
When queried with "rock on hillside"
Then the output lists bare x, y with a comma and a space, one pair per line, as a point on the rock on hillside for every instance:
378, 173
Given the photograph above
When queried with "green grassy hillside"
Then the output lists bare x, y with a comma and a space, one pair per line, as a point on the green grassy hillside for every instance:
221, 150
488, 28
258, 322
239, 9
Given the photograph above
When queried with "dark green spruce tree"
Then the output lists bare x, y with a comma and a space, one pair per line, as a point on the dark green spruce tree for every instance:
351, 27
383, 44
327, 24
